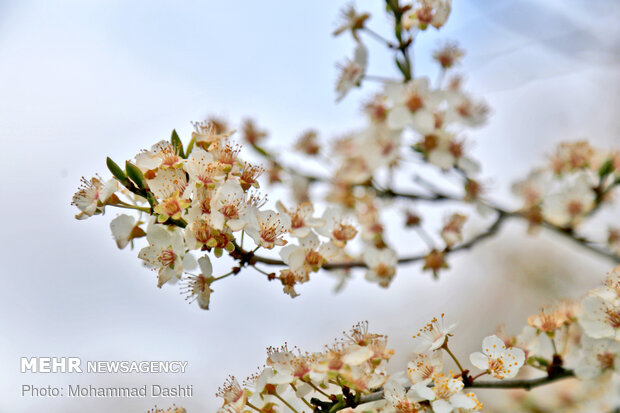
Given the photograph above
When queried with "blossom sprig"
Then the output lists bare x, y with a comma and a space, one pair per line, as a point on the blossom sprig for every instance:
577, 181
201, 201
351, 374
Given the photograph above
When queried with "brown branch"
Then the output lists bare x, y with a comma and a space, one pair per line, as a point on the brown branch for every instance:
492, 230
565, 232
494, 384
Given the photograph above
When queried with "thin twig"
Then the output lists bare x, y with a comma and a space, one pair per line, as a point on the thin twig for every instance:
501, 217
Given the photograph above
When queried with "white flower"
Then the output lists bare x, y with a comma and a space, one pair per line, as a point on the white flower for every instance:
202, 169
287, 365
571, 203
432, 336
597, 357
499, 361
259, 396
364, 152
91, 196
601, 315
309, 255
443, 150
352, 72
428, 12
337, 227
413, 105
166, 253
424, 366
612, 282
301, 218
381, 265
168, 181
351, 20
446, 396
228, 205
206, 135
399, 398
356, 355
234, 396
452, 231
198, 286
162, 154
464, 110
533, 188
266, 228
122, 227
529, 340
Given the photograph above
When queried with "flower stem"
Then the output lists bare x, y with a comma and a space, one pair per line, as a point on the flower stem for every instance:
302, 398
223, 276
287, 404
315, 387
252, 406
122, 204
379, 38
479, 375
445, 347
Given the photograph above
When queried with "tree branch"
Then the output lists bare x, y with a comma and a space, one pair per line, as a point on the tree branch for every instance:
495, 384
437, 196
492, 230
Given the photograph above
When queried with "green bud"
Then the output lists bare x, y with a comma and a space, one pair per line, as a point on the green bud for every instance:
135, 174
117, 172
176, 142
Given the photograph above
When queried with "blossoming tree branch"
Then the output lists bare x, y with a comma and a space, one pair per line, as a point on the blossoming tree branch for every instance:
198, 201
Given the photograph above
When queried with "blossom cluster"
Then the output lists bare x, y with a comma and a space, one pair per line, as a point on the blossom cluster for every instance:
204, 199
201, 201
577, 180
340, 376
569, 339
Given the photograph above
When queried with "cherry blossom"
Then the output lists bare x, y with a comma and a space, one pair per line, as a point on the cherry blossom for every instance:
500, 361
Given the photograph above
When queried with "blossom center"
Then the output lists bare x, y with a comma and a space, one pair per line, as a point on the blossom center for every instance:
344, 232
167, 257
613, 316
414, 102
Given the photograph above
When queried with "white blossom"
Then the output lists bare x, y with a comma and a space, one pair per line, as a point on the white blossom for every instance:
381, 265
352, 72
601, 315
166, 253
267, 227
500, 361
433, 335
91, 196
122, 226
597, 357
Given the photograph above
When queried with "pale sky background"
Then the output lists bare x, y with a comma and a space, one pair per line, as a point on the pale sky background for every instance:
82, 80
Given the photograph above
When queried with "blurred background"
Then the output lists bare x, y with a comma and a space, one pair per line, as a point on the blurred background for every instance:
80, 81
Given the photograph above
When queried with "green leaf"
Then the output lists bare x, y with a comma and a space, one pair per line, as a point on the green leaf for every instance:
117, 172
135, 174
176, 142
401, 67
606, 168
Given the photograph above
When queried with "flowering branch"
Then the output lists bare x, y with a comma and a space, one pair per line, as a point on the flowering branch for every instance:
492, 230
353, 372
525, 384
